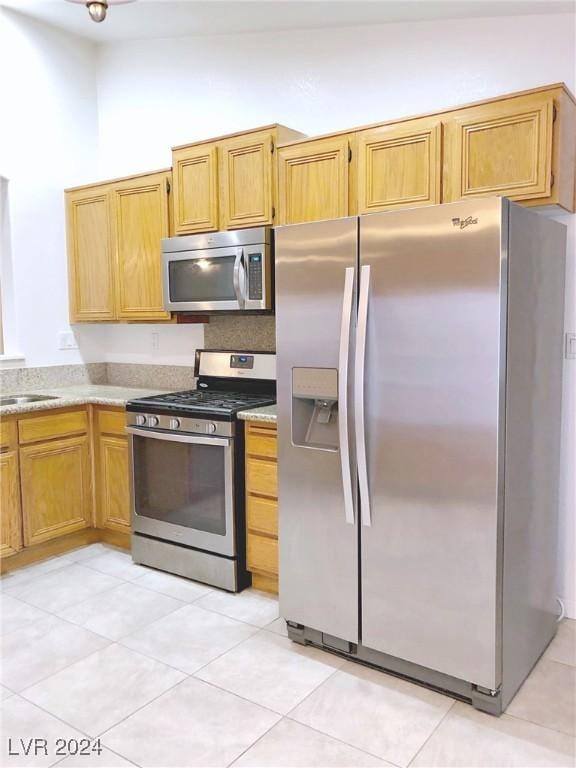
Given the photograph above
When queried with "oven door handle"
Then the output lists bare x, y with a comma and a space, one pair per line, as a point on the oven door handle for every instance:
240, 285
179, 438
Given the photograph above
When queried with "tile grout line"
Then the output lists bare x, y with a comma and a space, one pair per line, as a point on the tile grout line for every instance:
248, 748
450, 708
143, 706
539, 725
56, 717
339, 740
101, 735
72, 605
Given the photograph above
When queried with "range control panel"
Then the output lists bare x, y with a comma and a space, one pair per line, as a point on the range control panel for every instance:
255, 276
242, 361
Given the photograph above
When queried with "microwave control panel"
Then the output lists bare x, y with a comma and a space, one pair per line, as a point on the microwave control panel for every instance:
255, 276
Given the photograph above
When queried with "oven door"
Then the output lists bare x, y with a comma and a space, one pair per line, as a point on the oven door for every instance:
183, 489
204, 280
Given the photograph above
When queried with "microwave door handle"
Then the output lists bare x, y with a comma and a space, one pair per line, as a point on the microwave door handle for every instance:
343, 436
359, 395
239, 285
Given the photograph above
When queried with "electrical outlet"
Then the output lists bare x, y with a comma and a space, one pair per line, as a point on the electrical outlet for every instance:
66, 340
155, 341
570, 347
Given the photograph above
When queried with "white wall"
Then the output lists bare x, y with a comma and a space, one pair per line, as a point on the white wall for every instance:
48, 140
153, 94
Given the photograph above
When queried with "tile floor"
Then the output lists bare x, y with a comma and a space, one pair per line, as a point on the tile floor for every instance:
168, 672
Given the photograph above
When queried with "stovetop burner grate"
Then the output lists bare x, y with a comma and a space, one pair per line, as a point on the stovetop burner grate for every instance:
202, 402
195, 398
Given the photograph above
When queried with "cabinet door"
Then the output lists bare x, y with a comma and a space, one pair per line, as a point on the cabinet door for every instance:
399, 165
503, 148
246, 181
313, 180
140, 217
11, 518
113, 478
90, 255
56, 488
195, 196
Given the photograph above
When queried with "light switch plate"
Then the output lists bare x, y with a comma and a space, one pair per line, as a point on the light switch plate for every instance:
570, 346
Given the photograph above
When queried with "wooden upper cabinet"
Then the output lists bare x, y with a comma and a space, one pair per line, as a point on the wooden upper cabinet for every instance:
90, 255
140, 221
195, 194
500, 148
313, 180
246, 180
399, 166
227, 182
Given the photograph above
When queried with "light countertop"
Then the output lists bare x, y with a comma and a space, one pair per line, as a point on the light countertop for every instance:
265, 413
83, 394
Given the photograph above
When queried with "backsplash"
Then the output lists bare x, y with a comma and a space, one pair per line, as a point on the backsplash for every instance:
253, 333
144, 375
47, 376
117, 374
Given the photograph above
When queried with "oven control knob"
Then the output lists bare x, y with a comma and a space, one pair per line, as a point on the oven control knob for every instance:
152, 421
140, 420
174, 423
211, 428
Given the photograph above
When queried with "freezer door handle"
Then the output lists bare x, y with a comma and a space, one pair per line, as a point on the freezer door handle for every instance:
359, 394
347, 303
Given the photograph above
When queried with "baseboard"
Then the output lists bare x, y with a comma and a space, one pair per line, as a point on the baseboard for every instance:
59, 546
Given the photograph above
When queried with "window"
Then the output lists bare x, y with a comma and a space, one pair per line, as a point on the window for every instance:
7, 318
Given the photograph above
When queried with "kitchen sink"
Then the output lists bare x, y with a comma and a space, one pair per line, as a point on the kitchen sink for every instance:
23, 399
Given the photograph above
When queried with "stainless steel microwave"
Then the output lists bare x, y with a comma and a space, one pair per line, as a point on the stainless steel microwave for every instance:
228, 271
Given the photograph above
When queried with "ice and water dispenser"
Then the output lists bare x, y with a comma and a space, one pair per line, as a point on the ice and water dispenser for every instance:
315, 408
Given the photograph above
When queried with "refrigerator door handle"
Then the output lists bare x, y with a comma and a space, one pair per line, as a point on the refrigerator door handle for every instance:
359, 395
347, 302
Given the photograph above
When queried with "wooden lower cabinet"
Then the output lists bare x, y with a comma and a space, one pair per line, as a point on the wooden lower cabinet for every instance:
262, 505
112, 471
11, 517
64, 482
56, 488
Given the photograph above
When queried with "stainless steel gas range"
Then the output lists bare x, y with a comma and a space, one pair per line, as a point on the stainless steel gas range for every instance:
187, 467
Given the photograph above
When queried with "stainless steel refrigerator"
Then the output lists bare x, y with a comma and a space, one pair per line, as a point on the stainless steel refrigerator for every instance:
419, 410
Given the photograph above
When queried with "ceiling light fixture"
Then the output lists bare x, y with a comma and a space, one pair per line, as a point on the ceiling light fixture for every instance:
98, 8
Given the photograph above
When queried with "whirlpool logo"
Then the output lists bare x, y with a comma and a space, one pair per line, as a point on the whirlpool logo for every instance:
463, 223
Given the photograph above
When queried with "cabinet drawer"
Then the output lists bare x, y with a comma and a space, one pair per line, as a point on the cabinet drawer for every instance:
7, 434
53, 425
262, 477
262, 515
262, 442
262, 553
112, 422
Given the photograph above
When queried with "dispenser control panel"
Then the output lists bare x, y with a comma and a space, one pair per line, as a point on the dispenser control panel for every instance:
315, 383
